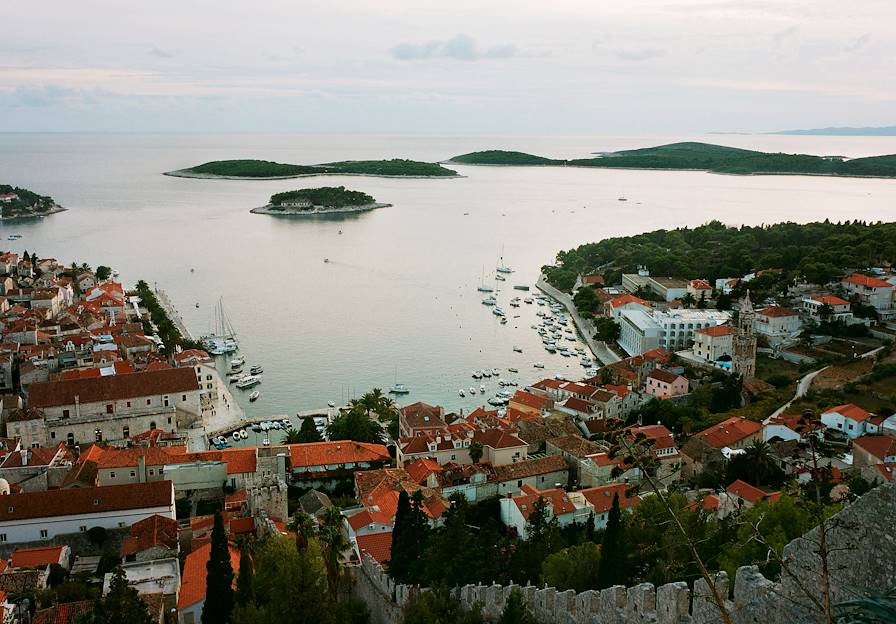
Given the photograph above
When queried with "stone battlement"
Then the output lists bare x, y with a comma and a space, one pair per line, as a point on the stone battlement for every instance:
862, 525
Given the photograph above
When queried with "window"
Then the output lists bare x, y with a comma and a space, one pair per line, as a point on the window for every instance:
70, 438
149, 401
44, 534
151, 472
126, 432
121, 525
83, 528
111, 475
454, 457
65, 413
208, 386
165, 401
109, 408
169, 420
52, 435
152, 425
183, 397
519, 483
2, 537
133, 473
208, 377
128, 403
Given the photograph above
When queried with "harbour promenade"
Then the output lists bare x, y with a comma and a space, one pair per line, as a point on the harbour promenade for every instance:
173, 314
585, 327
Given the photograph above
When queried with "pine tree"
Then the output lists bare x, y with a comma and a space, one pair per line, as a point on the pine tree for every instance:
219, 578
515, 611
612, 551
245, 588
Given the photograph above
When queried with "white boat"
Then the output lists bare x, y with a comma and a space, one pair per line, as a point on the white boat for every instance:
256, 370
538, 365
331, 404
461, 392
497, 311
477, 374
326, 260
485, 373
622, 198
472, 390
500, 278
489, 301
237, 361
527, 300
254, 396
244, 435
223, 340
482, 389
495, 372
248, 381
399, 388
236, 435
482, 286
512, 370
518, 349
502, 268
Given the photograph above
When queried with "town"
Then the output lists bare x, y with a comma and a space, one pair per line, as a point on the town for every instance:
745, 410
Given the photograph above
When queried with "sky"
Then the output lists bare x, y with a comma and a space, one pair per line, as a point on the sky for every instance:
486, 67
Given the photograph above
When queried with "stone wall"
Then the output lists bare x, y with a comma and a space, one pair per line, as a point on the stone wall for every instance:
862, 557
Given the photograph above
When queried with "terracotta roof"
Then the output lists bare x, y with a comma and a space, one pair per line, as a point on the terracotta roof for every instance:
593, 279
115, 387
377, 545
579, 405
887, 471
664, 376
192, 586
576, 445
775, 312
65, 613
851, 411
422, 415
621, 300
659, 433
531, 468
700, 284
420, 469
242, 526
529, 400
498, 439
86, 500
338, 452
880, 447
831, 300
750, 493
863, 280
602, 497
369, 516
717, 330
39, 557
729, 431
558, 499
153, 531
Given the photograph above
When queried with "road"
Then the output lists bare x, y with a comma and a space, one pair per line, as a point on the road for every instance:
802, 387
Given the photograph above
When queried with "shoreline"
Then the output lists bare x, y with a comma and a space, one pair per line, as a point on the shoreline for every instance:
317, 211
37, 215
726, 173
186, 173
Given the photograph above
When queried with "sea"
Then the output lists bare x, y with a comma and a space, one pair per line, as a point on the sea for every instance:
334, 306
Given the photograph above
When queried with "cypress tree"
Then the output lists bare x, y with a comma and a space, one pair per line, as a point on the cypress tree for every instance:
612, 551
219, 578
308, 432
589, 528
245, 588
515, 611
408, 538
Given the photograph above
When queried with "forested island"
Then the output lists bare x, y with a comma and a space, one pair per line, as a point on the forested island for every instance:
268, 170
815, 251
703, 157
18, 203
318, 201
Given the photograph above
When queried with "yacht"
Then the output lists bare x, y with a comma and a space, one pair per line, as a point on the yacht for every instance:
248, 381
254, 396
497, 311
399, 388
486, 289
256, 370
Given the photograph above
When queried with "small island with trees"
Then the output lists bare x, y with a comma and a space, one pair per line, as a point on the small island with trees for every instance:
702, 157
268, 170
19, 203
319, 201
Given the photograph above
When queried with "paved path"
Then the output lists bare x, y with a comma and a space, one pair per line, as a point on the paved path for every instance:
585, 327
173, 314
802, 387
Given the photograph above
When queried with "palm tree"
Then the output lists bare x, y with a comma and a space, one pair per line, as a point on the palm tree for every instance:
292, 436
332, 516
304, 526
334, 543
760, 459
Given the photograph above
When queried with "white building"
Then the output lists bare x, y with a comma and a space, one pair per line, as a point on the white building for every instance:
672, 330
839, 308
777, 323
711, 343
33, 516
871, 291
850, 419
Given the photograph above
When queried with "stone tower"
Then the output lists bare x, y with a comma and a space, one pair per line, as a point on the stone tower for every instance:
745, 341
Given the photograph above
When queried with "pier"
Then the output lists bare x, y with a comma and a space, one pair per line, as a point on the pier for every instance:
599, 349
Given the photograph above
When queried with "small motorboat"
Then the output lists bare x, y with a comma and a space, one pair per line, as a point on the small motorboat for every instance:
254, 396
512, 370
197, 304
495, 372
538, 365
326, 260
266, 442
500, 278
236, 435
482, 389
237, 362
331, 404
472, 390
256, 428
192, 270
256, 370
518, 349
244, 434
622, 199
461, 392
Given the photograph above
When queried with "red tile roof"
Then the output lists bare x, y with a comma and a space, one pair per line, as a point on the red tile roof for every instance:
751, 493
370, 516
579, 405
36, 557
65, 613
339, 452
700, 284
776, 312
717, 330
377, 545
878, 446
421, 469
192, 586
150, 532
832, 300
77, 501
621, 300
531, 468
593, 279
729, 431
498, 439
664, 376
242, 526
659, 433
863, 280
851, 411
115, 387
557, 498
602, 497
529, 400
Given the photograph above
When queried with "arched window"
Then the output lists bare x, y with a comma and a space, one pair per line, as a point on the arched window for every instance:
126, 432
152, 425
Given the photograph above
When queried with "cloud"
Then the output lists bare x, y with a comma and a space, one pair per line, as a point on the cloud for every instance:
639, 55
780, 37
459, 48
858, 43
160, 53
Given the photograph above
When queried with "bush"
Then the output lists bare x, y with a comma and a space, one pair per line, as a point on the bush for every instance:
778, 381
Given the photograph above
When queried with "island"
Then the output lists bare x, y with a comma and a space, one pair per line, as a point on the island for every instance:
269, 170
318, 201
842, 131
703, 157
20, 203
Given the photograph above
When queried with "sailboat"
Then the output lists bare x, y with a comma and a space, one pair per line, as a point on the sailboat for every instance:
398, 388
223, 340
502, 268
482, 286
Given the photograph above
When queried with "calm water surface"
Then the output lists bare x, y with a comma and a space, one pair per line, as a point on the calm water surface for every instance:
398, 298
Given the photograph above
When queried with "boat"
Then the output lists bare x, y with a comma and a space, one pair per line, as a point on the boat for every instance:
622, 199
266, 442
326, 260
482, 389
254, 396
237, 361
223, 340
521, 287
256, 428
489, 301
497, 311
236, 435
256, 370
512, 370
538, 365
477, 374
248, 381
502, 268
482, 286
236, 376
244, 435
495, 372
472, 390
236, 366
399, 388
197, 304
500, 278
518, 349
461, 392
331, 404
503, 320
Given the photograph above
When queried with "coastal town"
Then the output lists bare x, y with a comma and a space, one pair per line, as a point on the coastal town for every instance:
124, 458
